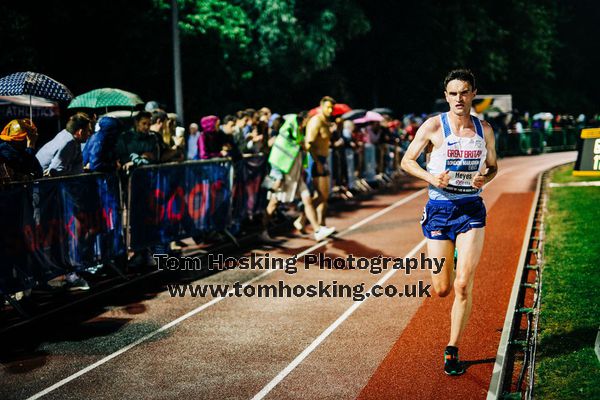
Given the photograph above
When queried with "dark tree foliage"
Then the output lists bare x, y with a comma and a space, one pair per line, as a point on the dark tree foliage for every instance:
289, 53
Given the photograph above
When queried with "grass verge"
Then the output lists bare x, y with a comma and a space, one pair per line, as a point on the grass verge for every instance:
567, 367
564, 174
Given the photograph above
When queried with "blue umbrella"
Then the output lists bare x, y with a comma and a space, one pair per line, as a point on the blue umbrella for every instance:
34, 84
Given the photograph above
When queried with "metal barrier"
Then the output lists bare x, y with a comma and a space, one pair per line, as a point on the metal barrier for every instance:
515, 359
536, 141
57, 225
54, 225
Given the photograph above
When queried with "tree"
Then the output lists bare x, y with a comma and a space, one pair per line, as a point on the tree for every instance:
259, 47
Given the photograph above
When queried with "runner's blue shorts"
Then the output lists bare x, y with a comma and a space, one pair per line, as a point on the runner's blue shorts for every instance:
445, 219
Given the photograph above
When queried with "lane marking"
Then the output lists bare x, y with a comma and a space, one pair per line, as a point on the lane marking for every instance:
291, 366
302, 356
567, 184
385, 210
214, 301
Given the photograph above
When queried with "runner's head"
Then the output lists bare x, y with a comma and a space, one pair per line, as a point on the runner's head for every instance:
460, 90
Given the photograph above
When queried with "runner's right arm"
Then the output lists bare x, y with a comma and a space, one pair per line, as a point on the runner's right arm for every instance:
416, 147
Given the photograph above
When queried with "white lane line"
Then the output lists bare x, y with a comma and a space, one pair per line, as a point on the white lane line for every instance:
572, 184
385, 210
265, 390
302, 356
213, 301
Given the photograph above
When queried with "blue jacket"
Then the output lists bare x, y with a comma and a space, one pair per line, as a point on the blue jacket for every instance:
100, 151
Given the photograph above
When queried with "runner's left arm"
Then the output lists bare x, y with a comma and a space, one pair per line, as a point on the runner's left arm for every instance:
490, 160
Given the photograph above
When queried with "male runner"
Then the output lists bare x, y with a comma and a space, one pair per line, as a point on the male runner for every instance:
318, 136
463, 159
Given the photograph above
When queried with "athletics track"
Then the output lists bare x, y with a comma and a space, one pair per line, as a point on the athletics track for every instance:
151, 346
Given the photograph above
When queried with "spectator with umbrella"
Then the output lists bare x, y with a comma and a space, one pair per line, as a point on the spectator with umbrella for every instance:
100, 151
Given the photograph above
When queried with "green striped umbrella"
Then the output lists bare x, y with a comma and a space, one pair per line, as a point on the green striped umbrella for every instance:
106, 97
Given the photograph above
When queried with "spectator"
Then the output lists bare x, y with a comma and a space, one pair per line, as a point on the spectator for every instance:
62, 155
100, 151
17, 159
137, 146
251, 121
259, 138
228, 129
275, 123
264, 114
239, 137
192, 142
210, 143
163, 131
228, 126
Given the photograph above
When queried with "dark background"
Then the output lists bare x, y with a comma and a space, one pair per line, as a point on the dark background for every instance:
370, 53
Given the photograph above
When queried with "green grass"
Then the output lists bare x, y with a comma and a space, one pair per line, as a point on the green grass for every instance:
567, 367
564, 174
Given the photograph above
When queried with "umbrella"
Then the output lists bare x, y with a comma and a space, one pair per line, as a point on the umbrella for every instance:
104, 98
370, 116
354, 114
338, 109
543, 115
383, 110
34, 84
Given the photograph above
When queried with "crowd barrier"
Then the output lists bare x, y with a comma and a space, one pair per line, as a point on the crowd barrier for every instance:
536, 141
173, 201
58, 225
248, 195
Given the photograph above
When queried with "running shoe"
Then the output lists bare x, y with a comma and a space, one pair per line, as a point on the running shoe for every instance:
299, 225
452, 365
324, 232
75, 282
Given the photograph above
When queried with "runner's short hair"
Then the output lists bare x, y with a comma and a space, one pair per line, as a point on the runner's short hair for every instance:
464, 75
327, 98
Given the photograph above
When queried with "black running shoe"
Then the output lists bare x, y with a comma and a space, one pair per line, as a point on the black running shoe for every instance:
452, 366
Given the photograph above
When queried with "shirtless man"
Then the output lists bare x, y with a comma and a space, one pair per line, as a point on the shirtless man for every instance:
463, 159
317, 142
286, 171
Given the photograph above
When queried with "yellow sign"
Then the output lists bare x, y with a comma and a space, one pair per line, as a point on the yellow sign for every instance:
590, 133
588, 159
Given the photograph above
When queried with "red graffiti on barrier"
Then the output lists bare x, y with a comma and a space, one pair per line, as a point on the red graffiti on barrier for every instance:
55, 231
179, 203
